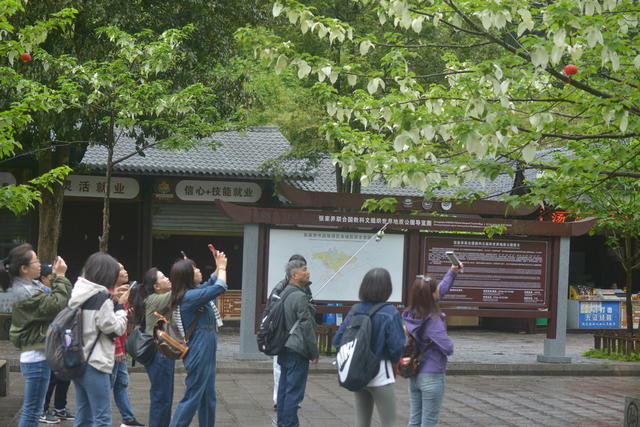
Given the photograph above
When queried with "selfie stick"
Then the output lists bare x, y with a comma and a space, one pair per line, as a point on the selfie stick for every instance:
378, 236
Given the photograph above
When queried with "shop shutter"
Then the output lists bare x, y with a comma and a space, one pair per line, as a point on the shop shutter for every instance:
196, 219
15, 228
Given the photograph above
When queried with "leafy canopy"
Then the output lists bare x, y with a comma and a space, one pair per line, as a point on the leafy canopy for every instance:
29, 96
479, 115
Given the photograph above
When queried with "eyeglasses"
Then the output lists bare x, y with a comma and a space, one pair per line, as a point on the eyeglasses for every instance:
37, 261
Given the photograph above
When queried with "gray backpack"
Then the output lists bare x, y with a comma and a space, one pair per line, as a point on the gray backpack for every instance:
64, 345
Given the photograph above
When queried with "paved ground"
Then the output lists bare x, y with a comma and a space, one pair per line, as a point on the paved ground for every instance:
502, 396
245, 400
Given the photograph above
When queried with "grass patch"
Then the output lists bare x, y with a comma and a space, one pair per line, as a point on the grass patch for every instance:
601, 354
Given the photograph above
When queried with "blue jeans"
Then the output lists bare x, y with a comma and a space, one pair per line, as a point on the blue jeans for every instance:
119, 384
160, 372
294, 370
93, 398
36, 381
425, 392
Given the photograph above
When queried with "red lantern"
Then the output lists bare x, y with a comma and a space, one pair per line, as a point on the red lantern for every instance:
570, 69
25, 57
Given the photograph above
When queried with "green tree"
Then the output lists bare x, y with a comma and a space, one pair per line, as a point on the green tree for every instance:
558, 76
130, 93
59, 137
24, 98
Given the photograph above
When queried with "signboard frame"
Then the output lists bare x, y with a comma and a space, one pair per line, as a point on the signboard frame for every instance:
501, 292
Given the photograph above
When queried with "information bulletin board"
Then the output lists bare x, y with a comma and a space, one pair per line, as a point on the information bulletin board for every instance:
500, 273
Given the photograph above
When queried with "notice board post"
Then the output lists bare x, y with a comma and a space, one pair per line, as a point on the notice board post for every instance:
556, 341
250, 260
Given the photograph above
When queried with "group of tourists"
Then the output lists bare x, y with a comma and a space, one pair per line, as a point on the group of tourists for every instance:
109, 307
422, 321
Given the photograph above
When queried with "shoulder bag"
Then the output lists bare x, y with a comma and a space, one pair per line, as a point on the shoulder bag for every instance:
169, 341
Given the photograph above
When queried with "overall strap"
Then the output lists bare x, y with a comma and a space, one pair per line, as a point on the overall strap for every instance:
193, 325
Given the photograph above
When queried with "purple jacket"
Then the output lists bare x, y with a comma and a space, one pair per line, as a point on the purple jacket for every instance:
435, 329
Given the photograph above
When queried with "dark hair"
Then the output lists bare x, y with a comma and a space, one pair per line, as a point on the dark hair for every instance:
181, 276
298, 257
142, 291
421, 302
102, 269
10, 266
376, 286
45, 270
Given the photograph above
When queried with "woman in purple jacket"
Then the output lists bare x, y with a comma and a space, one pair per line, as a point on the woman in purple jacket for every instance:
425, 322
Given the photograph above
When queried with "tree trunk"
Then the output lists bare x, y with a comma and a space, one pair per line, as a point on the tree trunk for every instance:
628, 251
104, 239
50, 212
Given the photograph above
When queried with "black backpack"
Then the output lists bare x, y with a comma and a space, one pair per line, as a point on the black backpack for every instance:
273, 334
356, 363
66, 358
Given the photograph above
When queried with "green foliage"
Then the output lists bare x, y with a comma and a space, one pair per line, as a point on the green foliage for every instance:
436, 93
494, 97
385, 204
601, 354
19, 198
31, 97
493, 230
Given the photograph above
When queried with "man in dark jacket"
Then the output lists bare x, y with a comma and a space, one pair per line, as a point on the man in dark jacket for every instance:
274, 296
301, 346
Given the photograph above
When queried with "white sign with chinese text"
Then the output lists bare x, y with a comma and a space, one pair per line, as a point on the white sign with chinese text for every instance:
7, 178
208, 191
95, 186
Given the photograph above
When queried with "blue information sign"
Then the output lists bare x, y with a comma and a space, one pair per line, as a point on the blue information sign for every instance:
599, 314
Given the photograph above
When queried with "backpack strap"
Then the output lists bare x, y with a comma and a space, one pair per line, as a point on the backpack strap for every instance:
415, 335
376, 308
93, 303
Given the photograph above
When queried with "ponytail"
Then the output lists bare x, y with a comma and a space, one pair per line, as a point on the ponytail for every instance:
5, 278
142, 291
10, 266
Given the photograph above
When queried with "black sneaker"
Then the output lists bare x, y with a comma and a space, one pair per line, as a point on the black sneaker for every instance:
48, 418
64, 414
132, 422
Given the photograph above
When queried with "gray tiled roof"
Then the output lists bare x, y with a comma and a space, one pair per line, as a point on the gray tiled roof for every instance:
324, 180
239, 154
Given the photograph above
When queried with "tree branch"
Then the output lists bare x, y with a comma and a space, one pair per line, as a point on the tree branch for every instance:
613, 173
436, 45
423, 76
566, 79
128, 156
581, 137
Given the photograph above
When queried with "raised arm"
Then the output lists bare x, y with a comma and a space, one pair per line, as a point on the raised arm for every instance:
447, 280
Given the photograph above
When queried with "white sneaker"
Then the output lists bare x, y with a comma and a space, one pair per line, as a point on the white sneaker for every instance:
48, 419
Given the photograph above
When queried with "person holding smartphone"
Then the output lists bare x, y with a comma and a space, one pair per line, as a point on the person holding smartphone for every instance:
34, 307
424, 320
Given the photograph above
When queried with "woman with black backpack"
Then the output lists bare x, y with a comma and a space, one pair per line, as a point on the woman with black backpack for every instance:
387, 343
425, 323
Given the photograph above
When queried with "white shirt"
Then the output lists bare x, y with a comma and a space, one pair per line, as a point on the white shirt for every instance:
385, 375
32, 356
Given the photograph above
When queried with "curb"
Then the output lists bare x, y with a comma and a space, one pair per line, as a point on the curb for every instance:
604, 369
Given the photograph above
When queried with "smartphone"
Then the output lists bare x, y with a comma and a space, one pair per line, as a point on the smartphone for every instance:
453, 258
212, 248
184, 256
